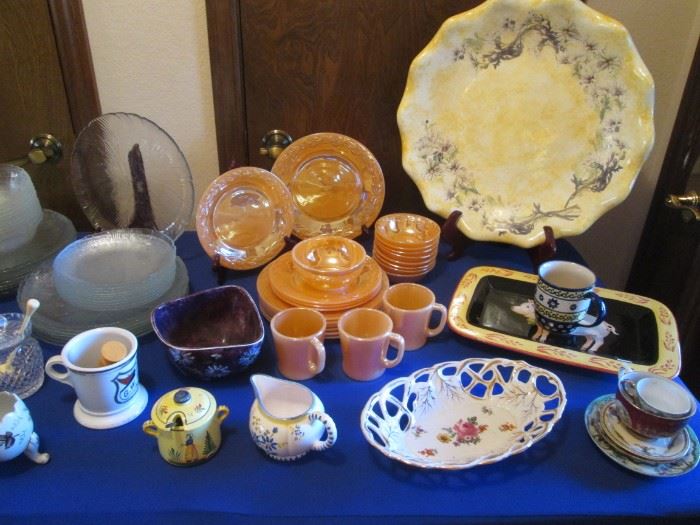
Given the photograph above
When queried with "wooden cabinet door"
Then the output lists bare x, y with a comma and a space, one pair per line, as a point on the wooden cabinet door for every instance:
307, 66
47, 87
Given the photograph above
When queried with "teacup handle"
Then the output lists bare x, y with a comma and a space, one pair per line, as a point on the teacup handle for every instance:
317, 359
57, 360
443, 319
397, 341
331, 432
602, 310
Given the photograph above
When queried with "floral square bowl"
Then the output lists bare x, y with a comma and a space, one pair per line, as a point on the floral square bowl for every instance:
210, 334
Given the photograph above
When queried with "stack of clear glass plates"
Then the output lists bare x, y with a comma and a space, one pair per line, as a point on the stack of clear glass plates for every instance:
53, 233
58, 320
116, 269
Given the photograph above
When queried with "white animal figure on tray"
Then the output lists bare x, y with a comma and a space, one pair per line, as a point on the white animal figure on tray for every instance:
594, 335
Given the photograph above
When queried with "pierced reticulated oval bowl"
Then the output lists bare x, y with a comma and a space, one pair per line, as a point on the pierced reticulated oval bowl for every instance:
461, 414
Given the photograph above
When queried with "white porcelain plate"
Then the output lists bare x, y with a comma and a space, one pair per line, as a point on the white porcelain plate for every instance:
527, 113
461, 414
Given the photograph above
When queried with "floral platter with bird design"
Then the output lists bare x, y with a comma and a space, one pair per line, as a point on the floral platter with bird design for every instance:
525, 114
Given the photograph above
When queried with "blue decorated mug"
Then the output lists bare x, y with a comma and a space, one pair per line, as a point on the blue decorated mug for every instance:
564, 296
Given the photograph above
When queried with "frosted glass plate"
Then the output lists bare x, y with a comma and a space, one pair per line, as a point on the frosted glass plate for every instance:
527, 113
112, 189
461, 414
53, 233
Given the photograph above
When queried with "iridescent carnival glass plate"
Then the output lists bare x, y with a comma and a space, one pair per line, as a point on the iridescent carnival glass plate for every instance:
461, 414
336, 183
244, 217
525, 114
127, 172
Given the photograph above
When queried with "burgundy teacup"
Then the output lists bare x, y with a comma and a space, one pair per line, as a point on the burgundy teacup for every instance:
653, 406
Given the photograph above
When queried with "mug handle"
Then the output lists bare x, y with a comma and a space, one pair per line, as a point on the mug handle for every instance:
443, 319
602, 310
397, 341
331, 432
317, 359
53, 373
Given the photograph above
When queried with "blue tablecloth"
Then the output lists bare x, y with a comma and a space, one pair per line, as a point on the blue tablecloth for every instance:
117, 476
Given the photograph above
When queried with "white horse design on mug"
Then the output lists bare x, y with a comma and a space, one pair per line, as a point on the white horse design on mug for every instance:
594, 335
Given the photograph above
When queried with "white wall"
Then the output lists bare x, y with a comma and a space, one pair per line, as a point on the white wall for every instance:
151, 57
665, 33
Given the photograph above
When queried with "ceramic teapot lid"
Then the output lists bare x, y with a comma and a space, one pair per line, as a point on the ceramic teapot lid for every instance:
183, 409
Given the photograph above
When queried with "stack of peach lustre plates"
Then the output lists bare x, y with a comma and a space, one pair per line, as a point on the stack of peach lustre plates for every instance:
406, 246
282, 284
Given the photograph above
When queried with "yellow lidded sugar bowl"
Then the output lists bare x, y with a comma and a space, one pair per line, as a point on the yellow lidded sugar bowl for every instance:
187, 423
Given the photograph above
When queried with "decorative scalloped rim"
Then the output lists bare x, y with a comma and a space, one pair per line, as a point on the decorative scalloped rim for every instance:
356, 153
525, 225
531, 436
667, 365
207, 235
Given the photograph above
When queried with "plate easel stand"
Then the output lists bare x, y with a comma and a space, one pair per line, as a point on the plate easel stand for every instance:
458, 241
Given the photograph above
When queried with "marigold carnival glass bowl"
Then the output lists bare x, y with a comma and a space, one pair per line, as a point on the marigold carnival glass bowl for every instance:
210, 334
328, 261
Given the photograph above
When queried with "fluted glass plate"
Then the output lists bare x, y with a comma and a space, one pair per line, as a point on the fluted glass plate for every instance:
336, 183
115, 269
127, 172
53, 233
524, 114
57, 320
244, 217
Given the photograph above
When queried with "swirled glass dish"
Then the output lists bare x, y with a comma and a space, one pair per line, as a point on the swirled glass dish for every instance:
336, 183
127, 172
461, 414
525, 114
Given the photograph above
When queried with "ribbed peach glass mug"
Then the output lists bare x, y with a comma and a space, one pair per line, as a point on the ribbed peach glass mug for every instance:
410, 307
365, 337
298, 335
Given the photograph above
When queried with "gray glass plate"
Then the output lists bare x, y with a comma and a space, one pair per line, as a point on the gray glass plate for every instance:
54, 232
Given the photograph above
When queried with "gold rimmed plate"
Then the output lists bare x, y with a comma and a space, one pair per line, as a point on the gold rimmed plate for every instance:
244, 217
524, 114
336, 183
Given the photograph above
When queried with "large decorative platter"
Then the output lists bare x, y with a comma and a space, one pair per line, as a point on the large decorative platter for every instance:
522, 114
494, 306
244, 217
336, 183
127, 172
461, 414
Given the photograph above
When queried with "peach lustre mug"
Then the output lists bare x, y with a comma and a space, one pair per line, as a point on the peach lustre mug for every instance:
410, 307
298, 336
365, 337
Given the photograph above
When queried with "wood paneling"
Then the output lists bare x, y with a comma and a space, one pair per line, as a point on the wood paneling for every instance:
309, 66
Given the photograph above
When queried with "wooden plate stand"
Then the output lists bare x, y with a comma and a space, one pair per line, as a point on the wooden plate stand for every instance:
458, 241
